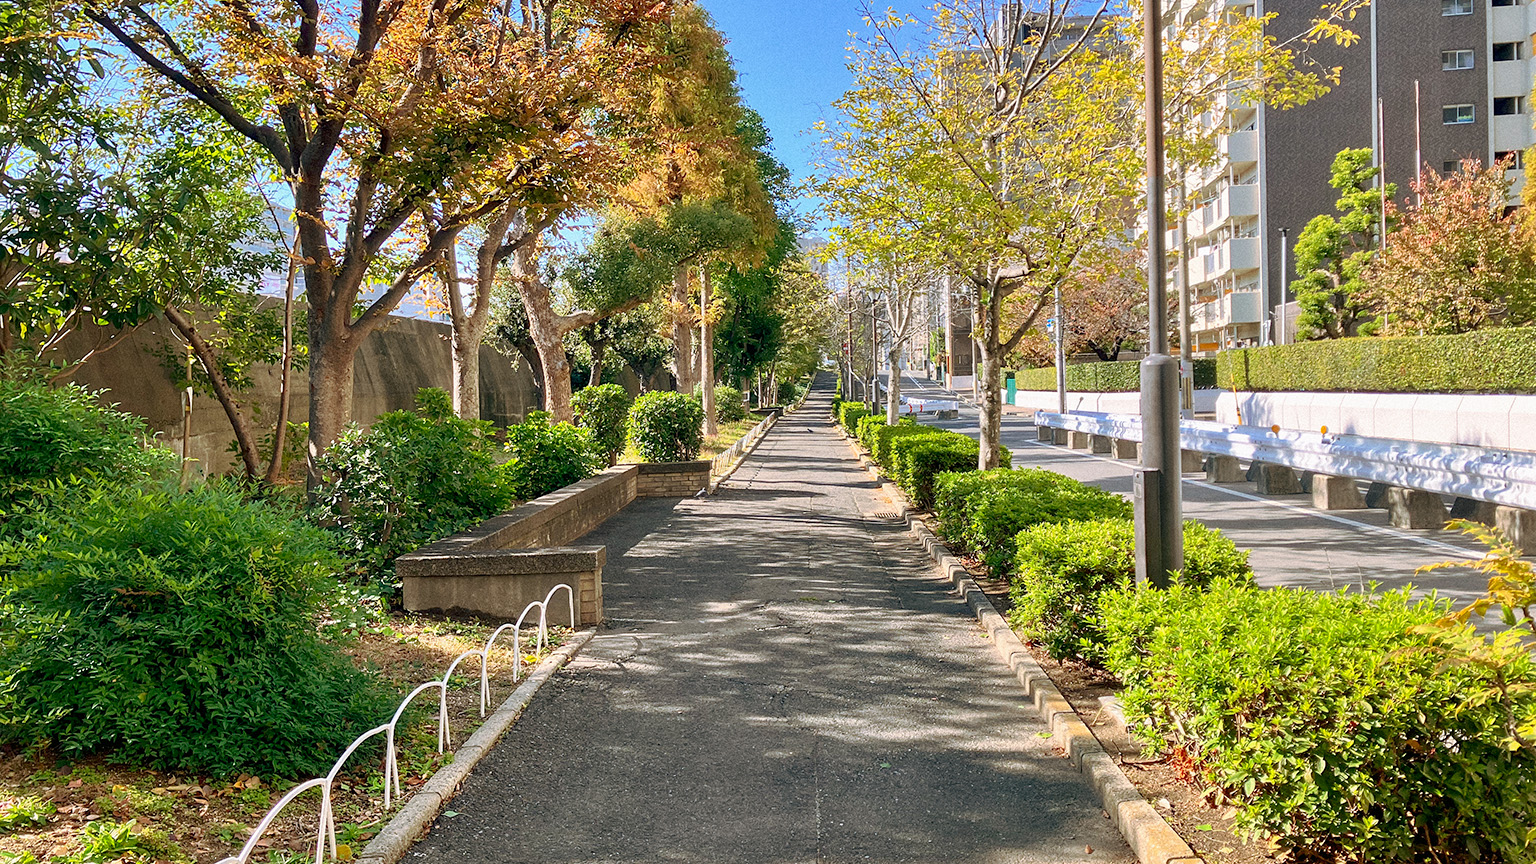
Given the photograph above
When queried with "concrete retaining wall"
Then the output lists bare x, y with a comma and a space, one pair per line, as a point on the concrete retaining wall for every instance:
671, 479
1501, 422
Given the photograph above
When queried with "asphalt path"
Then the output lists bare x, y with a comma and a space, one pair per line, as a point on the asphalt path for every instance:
784, 677
1290, 543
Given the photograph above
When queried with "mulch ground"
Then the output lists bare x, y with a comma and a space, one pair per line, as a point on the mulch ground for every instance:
181, 817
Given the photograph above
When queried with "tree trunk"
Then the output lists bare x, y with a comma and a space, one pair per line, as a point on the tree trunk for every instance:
221, 389
682, 331
331, 358
707, 355
285, 377
988, 385
465, 341
545, 332
893, 391
598, 352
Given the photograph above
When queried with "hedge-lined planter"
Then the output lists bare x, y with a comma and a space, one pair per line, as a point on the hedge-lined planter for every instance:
1487, 361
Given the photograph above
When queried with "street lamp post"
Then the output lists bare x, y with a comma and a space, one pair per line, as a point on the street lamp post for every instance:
1159, 522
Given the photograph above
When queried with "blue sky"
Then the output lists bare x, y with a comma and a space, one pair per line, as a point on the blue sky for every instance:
789, 59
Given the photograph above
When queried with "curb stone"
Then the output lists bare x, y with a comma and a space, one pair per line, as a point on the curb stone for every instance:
396, 838
1146, 831
751, 448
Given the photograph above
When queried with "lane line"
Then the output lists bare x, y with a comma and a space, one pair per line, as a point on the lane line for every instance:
1285, 505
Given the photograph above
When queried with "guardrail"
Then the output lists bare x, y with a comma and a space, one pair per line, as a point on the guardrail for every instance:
1496, 476
326, 827
727, 457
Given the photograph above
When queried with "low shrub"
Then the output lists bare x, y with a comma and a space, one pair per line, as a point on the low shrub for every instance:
411, 478
730, 404
1499, 360
880, 449
178, 630
916, 460
548, 456
666, 427
604, 409
64, 434
1326, 719
866, 429
848, 414
1065, 568
991, 510
790, 392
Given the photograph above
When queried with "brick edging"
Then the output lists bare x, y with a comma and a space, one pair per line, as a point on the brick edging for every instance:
397, 837
1146, 831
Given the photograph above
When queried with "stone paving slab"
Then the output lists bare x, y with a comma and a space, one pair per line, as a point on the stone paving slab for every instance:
784, 679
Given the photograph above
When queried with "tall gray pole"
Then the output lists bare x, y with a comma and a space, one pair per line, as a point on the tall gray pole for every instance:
1285, 283
1159, 521
1061, 356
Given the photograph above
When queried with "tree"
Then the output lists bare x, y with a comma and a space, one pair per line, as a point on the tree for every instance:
1332, 254
367, 115
1456, 260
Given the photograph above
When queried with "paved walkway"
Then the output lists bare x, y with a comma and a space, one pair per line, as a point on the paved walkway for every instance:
784, 679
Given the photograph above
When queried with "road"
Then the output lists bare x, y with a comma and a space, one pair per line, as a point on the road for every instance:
1291, 544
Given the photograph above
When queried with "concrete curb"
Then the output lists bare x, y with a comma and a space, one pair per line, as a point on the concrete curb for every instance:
748, 451
1146, 831
396, 838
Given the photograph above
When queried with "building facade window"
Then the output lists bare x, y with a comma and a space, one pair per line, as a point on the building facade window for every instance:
1506, 2
1503, 106
1458, 59
1515, 158
1455, 115
1455, 7
1449, 167
1508, 51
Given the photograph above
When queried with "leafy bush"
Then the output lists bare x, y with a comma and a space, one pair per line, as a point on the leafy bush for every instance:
410, 479
880, 447
993, 508
64, 433
865, 430
1119, 376
1326, 719
791, 392
176, 629
848, 414
916, 460
604, 409
1065, 568
730, 404
666, 427
1501, 360
548, 456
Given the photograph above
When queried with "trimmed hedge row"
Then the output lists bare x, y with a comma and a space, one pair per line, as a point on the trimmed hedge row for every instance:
1486, 361
1120, 376
913, 455
983, 511
1330, 720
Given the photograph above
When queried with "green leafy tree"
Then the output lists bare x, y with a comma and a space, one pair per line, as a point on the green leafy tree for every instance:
604, 409
1332, 254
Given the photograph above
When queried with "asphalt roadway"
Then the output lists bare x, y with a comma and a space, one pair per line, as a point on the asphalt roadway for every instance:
1290, 543
783, 678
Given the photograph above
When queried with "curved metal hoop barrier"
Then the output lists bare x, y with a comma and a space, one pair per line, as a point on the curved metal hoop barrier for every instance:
326, 830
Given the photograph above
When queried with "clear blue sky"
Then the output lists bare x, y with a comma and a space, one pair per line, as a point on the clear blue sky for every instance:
789, 59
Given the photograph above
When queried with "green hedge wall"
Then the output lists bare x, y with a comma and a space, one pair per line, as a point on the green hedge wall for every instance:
1121, 376
1488, 361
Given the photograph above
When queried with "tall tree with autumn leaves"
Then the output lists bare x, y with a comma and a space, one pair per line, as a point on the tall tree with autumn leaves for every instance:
369, 110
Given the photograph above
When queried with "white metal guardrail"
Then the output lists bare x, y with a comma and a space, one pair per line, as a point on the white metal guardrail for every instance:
1497, 476
326, 828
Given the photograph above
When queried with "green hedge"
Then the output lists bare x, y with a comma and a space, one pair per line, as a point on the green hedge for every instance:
1120, 376
984, 511
866, 429
848, 414
1065, 568
884, 435
1487, 361
1327, 719
918, 460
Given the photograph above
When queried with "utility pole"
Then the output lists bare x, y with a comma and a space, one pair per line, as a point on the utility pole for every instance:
1285, 284
1061, 356
874, 355
1159, 521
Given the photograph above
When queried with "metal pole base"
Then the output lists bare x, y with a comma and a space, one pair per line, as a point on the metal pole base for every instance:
1158, 493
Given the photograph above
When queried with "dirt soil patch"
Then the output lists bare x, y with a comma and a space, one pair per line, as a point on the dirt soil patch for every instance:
75, 812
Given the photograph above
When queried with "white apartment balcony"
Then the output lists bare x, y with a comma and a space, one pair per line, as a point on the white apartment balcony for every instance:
1239, 307
1510, 23
1509, 77
1511, 131
1237, 254
1240, 148
1234, 202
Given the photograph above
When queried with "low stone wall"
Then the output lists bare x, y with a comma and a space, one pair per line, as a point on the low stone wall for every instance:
671, 479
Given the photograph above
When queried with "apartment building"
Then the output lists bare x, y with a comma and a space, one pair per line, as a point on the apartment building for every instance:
1428, 84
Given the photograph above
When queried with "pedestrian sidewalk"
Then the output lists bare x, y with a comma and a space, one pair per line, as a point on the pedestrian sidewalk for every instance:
784, 678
